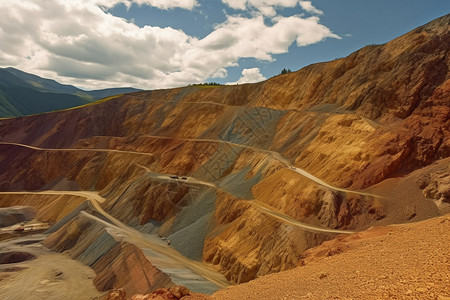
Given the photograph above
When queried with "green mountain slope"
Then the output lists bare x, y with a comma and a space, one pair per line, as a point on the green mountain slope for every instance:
43, 84
23, 93
50, 85
18, 97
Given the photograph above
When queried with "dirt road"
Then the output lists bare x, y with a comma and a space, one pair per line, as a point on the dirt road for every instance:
274, 154
139, 239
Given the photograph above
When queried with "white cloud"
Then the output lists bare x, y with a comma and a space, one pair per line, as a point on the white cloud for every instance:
91, 48
266, 7
161, 4
307, 6
165, 4
221, 73
249, 76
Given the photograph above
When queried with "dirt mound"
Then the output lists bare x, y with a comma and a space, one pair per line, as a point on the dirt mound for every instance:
117, 264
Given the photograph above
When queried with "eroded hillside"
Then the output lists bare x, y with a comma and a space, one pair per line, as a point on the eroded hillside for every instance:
240, 180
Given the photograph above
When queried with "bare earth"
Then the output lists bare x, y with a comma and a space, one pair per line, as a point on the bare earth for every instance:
410, 261
50, 276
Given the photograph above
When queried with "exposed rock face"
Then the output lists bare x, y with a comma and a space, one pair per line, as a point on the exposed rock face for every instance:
152, 200
117, 264
173, 293
15, 214
140, 275
270, 246
52, 208
392, 262
302, 199
436, 186
353, 123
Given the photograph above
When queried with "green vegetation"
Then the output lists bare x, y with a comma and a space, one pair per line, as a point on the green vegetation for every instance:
27, 94
206, 84
285, 71
18, 97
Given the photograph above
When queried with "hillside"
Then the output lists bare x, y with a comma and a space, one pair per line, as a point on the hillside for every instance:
18, 97
413, 265
215, 186
43, 84
23, 93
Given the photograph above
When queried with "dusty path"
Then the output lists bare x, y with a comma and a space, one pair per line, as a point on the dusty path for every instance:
142, 241
274, 154
323, 183
369, 121
77, 149
195, 275
285, 218
86, 194
265, 208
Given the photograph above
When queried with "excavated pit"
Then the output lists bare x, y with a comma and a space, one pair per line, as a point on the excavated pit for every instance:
29, 242
15, 257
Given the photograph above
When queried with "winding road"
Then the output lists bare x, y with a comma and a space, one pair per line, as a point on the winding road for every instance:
265, 208
287, 219
193, 180
274, 154
77, 149
139, 239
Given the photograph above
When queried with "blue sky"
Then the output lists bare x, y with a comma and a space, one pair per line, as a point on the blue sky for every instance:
154, 44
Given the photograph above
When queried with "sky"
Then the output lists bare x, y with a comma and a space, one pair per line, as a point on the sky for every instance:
153, 44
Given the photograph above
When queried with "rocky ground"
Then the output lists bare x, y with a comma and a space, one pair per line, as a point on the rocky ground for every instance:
408, 261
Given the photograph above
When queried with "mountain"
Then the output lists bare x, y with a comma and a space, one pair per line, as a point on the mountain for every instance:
51, 85
207, 187
22, 93
43, 84
100, 94
18, 97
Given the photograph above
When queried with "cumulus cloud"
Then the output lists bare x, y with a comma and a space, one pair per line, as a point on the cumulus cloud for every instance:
307, 6
91, 48
161, 4
250, 76
266, 7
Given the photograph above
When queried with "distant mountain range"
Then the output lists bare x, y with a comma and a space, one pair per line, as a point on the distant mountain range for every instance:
23, 93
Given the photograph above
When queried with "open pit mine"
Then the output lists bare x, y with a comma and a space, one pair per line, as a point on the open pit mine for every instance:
331, 182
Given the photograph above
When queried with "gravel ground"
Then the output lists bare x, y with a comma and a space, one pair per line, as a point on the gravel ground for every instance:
409, 261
